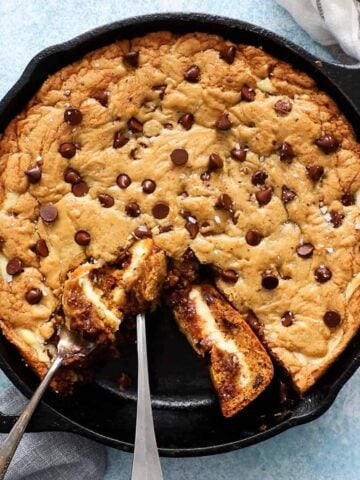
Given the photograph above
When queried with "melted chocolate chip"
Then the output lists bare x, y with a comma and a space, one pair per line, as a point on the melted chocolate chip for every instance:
186, 120
332, 319
286, 152
73, 116
192, 74
192, 227
132, 209
348, 199
336, 218
106, 200
14, 266
67, 150
80, 189
160, 210
287, 195
179, 156
48, 213
215, 162
254, 323
283, 107
205, 176
264, 196
315, 172
287, 319
238, 154
322, 274
269, 280
102, 96
120, 140
135, 125
247, 94
223, 122
142, 231
229, 276
259, 177
33, 174
253, 238
72, 176
227, 53
41, 248
34, 296
305, 250
132, 58
82, 237
327, 143
148, 186
166, 228
225, 202
123, 180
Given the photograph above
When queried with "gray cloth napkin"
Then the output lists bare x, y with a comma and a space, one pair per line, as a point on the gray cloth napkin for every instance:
53, 455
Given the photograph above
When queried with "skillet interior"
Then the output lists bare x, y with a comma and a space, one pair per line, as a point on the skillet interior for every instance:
187, 417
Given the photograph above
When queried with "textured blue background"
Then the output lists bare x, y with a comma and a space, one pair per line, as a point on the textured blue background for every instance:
328, 448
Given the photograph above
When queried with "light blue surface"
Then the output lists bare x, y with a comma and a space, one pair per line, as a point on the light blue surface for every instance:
328, 448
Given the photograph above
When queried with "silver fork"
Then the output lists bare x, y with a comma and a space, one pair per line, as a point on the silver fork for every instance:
146, 462
70, 343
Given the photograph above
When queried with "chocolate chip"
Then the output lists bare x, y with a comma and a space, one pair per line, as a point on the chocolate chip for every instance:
264, 196
269, 280
192, 227
205, 176
227, 53
287, 195
192, 74
168, 126
336, 218
14, 266
259, 177
135, 125
283, 107
348, 199
215, 162
223, 122
142, 231
132, 209
162, 88
148, 186
305, 250
287, 319
33, 174
120, 140
327, 143
106, 200
34, 296
184, 194
67, 150
186, 120
41, 248
254, 323
102, 97
2, 243
332, 318
248, 94
123, 180
286, 152
225, 202
179, 156
48, 213
73, 116
229, 276
72, 176
239, 154
82, 237
323, 274
166, 228
132, 153
315, 172
132, 58
253, 237
80, 189
160, 210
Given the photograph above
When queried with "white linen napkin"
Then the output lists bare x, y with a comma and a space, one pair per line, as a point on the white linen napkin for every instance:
329, 21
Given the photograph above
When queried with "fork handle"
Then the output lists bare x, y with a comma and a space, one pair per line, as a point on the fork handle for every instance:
146, 463
11, 442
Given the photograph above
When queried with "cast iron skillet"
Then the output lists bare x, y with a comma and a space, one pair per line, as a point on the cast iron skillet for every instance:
187, 417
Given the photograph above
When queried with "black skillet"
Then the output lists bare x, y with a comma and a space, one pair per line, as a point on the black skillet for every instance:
187, 417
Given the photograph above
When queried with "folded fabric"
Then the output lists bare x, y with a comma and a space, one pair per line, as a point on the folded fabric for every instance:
52, 455
329, 21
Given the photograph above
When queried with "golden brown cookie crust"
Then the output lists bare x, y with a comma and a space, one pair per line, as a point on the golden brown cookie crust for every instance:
308, 346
